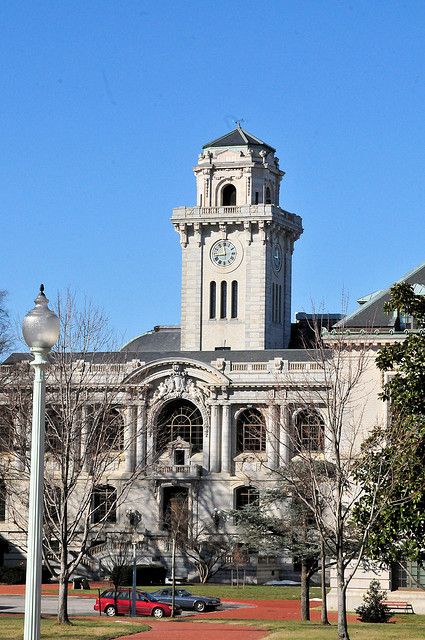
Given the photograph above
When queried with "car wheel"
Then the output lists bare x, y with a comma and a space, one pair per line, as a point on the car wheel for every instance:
199, 606
158, 612
110, 610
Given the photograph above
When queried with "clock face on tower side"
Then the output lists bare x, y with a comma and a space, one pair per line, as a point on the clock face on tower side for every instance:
223, 253
277, 256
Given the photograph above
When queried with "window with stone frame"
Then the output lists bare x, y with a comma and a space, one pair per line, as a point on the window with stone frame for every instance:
105, 429
309, 431
2, 501
179, 419
114, 429
6, 428
250, 431
246, 496
104, 504
53, 430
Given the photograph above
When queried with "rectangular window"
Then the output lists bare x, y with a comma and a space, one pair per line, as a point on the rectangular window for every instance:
279, 304
213, 296
179, 457
256, 197
223, 300
234, 299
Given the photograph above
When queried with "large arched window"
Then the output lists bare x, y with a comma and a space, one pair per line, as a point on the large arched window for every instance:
246, 496
309, 431
104, 504
250, 431
179, 419
228, 196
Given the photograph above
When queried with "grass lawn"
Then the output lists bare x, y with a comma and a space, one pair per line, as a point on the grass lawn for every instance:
13, 629
409, 627
225, 591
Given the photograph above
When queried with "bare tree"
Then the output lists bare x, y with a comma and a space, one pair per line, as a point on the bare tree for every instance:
322, 447
85, 443
283, 524
5, 333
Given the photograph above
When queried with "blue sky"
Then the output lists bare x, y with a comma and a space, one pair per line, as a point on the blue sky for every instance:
105, 105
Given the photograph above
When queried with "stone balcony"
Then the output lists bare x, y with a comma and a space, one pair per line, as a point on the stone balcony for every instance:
266, 212
161, 470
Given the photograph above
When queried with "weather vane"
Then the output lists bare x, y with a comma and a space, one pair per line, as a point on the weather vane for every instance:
239, 122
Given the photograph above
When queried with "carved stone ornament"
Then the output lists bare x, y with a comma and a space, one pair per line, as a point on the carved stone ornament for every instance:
178, 385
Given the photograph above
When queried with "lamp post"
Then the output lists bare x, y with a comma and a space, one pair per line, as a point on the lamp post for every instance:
134, 518
40, 329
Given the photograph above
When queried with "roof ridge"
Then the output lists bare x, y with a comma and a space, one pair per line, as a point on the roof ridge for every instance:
380, 294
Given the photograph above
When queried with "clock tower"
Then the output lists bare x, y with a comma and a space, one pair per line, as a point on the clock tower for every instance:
237, 248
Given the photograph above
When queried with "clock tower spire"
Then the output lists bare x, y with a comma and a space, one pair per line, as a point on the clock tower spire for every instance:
237, 247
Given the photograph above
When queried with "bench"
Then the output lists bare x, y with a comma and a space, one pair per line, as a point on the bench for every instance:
399, 607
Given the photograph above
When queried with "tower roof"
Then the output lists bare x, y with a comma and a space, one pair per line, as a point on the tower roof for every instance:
238, 138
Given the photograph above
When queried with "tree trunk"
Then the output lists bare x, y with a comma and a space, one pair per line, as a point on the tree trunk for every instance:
63, 599
324, 615
305, 591
341, 596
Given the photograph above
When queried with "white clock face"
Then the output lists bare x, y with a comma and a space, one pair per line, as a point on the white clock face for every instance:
223, 253
277, 256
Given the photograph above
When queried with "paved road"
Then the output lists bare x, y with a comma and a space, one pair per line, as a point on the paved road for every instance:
49, 604
76, 606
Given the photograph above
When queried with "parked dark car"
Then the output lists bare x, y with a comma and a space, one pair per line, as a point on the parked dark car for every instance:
186, 600
119, 602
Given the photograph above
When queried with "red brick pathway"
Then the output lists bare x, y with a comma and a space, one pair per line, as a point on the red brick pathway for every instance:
167, 630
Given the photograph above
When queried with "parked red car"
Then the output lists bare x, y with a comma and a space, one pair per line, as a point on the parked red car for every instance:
119, 602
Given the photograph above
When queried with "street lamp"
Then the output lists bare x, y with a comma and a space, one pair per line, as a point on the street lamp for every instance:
134, 518
40, 329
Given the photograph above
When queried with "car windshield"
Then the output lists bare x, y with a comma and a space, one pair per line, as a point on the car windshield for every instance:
149, 597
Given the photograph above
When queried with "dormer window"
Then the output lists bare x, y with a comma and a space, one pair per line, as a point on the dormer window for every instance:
228, 196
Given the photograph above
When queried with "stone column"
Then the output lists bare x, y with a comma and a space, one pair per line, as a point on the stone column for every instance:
84, 434
206, 447
226, 439
215, 439
129, 439
285, 443
149, 442
272, 436
141, 436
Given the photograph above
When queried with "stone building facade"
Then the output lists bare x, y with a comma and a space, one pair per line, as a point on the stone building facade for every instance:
210, 410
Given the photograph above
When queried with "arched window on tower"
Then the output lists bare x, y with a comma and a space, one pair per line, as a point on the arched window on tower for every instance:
228, 196
223, 300
213, 299
309, 431
234, 313
250, 431
268, 196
